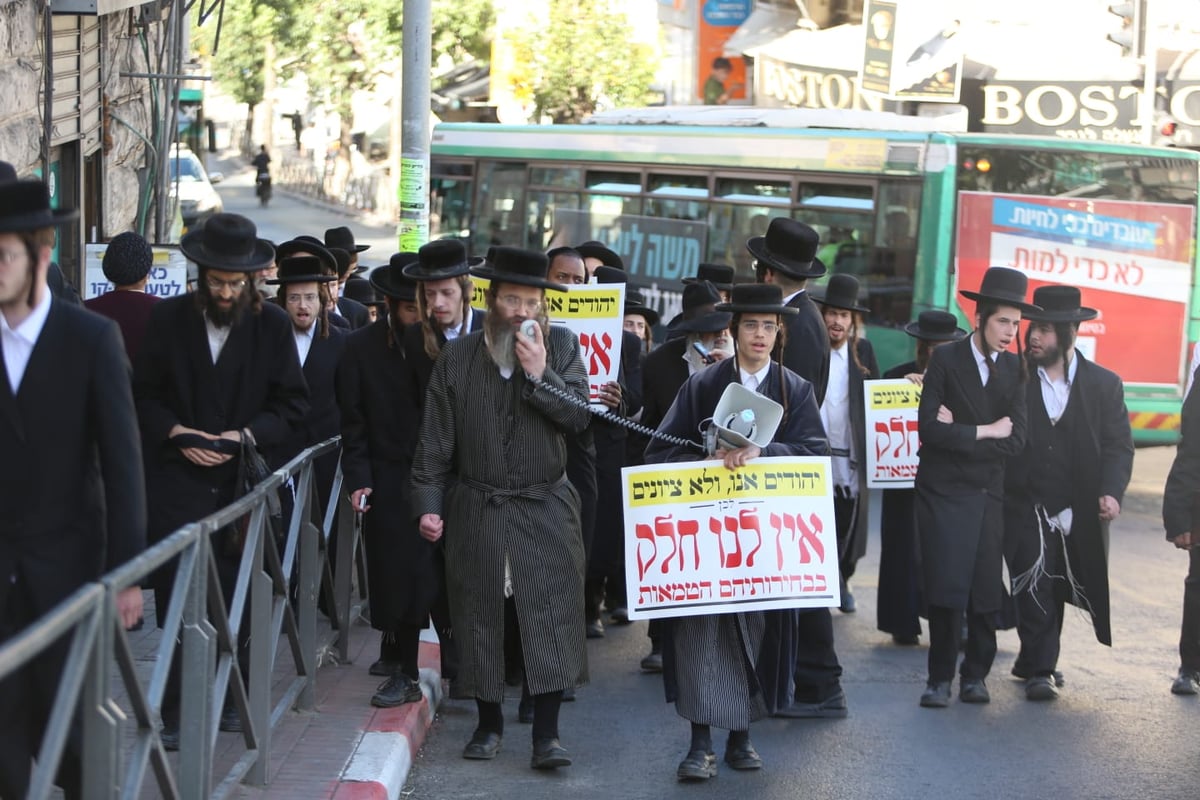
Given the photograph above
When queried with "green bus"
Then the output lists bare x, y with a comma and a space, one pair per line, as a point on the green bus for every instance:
909, 206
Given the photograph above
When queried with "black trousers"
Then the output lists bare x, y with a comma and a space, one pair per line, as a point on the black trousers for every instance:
1040, 606
845, 516
818, 674
945, 640
1189, 635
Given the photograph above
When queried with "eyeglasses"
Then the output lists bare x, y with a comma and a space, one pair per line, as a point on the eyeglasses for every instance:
514, 303
216, 284
297, 298
754, 326
11, 256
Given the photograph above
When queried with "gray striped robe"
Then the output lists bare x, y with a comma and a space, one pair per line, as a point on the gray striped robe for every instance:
491, 461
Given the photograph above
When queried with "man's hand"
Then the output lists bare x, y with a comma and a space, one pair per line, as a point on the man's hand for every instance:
919, 379
739, 457
1183, 541
200, 456
129, 606
1110, 509
431, 527
1000, 429
610, 394
945, 415
532, 354
358, 499
717, 355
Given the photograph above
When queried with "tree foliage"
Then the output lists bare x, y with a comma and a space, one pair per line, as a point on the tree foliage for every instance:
582, 57
237, 63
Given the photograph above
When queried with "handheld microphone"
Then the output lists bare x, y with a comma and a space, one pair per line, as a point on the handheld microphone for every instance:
527, 329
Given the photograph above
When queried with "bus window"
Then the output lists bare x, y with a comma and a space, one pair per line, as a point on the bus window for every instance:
743, 208
888, 278
843, 214
500, 211
450, 201
556, 177
548, 226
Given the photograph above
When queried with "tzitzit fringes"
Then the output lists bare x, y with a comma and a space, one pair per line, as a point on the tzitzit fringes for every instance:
1027, 581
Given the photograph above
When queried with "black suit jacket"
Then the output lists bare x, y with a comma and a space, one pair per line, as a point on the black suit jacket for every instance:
256, 383
1179, 509
353, 312
130, 310
320, 371
419, 361
71, 487
663, 372
609, 435
806, 348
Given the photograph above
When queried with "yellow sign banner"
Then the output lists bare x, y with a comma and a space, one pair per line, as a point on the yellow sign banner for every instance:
713, 482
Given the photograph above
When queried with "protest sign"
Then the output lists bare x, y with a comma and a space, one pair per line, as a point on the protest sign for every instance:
892, 437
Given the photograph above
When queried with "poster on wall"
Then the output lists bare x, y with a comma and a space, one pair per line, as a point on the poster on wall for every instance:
1130, 260
168, 272
911, 51
718, 20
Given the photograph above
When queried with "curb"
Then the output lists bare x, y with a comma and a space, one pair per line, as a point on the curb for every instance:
379, 766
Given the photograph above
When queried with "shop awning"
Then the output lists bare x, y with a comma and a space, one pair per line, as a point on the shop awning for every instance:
765, 24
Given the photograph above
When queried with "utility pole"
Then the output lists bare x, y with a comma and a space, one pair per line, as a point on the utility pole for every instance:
416, 44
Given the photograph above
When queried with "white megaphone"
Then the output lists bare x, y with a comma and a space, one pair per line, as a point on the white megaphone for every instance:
745, 418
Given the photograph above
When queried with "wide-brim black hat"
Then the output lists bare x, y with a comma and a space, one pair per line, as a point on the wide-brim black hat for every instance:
707, 322
1059, 304
300, 269
719, 275
364, 292
635, 303
756, 298
514, 265
841, 292
598, 250
1005, 286
935, 326
307, 246
343, 238
606, 274
25, 206
228, 242
392, 279
790, 247
441, 259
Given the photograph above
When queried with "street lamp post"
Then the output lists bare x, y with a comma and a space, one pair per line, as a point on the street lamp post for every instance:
416, 43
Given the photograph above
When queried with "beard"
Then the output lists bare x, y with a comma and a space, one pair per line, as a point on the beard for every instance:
225, 317
501, 340
1050, 355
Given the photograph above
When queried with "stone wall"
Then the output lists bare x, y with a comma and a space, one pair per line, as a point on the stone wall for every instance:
21, 76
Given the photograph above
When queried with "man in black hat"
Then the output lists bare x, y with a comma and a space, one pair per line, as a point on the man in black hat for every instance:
354, 312
216, 365
364, 292
126, 263
380, 414
304, 295
444, 292
898, 608
312, 246
972, 420
719, 275
844, 413
710, 670
71, 484
640, 319
567, 266
1064, 489
1181, 518
508, 395
596, 254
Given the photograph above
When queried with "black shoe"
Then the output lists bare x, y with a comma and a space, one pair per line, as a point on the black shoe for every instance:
832, 707
697, 765
1188, 682
1041, 687
383, 668
169, 736
743, 756
396, 691
483, 746
1019, 671
595, 629
973, 690
525, 711
848, 606
620, 615
910, 640
231, 721
549, 754
653, 661
936, 694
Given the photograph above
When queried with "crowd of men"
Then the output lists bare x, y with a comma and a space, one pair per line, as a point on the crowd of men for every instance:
491, 496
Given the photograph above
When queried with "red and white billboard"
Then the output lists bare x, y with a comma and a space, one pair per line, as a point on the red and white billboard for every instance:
1130, 260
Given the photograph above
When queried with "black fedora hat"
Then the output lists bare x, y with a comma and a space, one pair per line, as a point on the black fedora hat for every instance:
364, 292
719, 275
300, 269
635, 303
25, 206
935, 326
790, 247
605, 274
757, 298
1059, 304
598, 250
392, 279
7, 172
699, 313
228, 242
514, 265
841, 292
441, 259
1005, 286
343, 238
307, 246
342, 257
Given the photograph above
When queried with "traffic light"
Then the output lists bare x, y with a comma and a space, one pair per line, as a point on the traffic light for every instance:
1132, 36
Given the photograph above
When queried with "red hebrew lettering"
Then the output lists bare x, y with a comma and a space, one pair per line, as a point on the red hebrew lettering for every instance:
664, 528
644, 533
689, 527
749, 522
811, 536
734, 559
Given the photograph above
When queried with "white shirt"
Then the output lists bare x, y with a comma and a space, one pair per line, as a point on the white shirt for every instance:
18, 342
754, 380
981, 362
304, 340
835, 416
1055, 394
216, 337
453, 333
788, 299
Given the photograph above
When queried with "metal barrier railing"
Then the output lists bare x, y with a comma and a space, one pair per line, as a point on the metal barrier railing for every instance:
276, 594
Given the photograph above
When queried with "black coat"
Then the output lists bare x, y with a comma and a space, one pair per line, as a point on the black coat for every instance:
960, 480
1180, 495
663, 372
381, 414
256, 383
806, 348
1102, 462
419, 361
71, 487
353, 312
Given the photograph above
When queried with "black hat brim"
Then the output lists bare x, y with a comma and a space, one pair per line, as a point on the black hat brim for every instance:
757, 245
495, 276
419, 273
280, 281
711, 322
757, 308
652, 317
1001, 299
315, 249
194, 249
36, 220
383, 284
1081, 314
839, 304
913, 329
605, 255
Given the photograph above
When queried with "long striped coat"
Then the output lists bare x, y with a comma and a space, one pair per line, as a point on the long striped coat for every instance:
491, 461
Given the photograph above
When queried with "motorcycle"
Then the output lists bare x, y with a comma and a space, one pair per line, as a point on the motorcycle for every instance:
262, 186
